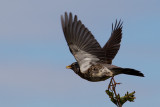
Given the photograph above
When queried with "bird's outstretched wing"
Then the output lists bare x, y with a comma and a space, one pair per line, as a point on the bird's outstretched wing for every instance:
81, 42
113, 44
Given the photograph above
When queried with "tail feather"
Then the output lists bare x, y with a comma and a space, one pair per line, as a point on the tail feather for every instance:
129, 71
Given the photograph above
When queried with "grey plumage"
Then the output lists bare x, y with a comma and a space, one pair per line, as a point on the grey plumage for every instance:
93, 62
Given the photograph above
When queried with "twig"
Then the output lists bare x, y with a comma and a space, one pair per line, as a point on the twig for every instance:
115, 98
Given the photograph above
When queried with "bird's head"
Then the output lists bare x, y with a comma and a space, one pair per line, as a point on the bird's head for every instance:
75, 67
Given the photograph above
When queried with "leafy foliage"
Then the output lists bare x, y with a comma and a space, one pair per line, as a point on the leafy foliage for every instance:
115, 98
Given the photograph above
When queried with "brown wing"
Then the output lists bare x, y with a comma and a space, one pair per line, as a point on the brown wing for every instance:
112, 46
81, 42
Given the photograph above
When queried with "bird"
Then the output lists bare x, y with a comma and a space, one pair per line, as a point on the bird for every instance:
94, 63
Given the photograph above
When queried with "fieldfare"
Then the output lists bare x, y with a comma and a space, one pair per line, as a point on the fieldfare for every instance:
93, 62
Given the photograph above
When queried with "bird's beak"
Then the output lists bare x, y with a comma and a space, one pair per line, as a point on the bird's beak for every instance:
68, 67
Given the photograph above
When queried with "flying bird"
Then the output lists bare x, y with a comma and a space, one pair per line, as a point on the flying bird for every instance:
94, 63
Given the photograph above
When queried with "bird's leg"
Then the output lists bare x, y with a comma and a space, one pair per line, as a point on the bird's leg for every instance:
110, 84
115, 83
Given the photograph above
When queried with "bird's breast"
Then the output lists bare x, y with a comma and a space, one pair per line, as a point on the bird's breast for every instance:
98, 73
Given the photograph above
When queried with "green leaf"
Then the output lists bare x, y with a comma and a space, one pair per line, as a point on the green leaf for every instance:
128, 97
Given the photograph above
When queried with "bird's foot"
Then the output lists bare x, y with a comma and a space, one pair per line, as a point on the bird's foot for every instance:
113, 83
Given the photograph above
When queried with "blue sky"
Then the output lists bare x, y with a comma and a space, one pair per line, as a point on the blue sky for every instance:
34, 53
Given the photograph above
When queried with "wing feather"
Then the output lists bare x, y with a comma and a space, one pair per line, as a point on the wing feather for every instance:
113, 44
81, 42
